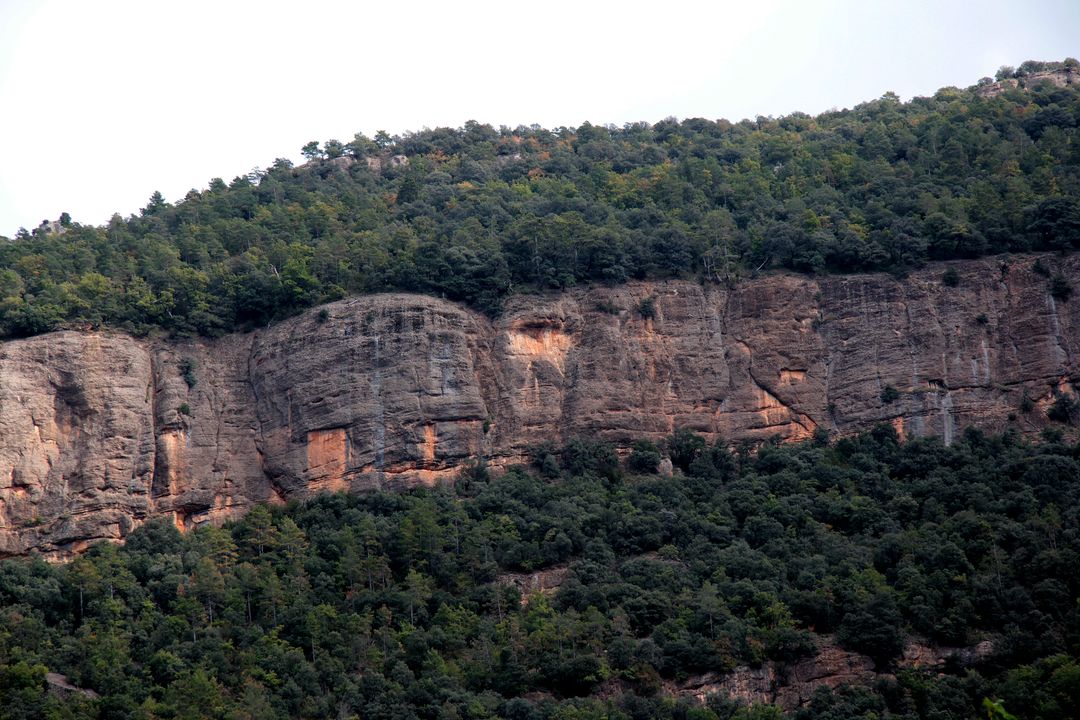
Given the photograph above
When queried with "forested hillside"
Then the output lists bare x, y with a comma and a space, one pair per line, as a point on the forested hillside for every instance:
477, 213
401, 606
753, 559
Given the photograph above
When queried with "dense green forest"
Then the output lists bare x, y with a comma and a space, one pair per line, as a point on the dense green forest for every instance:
477, 213
395, 606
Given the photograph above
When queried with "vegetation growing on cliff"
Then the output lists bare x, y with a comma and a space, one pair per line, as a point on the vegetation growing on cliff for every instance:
477, 213
398, 606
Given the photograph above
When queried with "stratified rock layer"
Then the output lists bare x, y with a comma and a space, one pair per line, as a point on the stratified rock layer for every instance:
100, 431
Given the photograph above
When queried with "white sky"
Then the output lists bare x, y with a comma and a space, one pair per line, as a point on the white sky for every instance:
103, 102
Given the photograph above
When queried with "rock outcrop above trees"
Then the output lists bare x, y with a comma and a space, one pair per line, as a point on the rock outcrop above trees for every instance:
100, 431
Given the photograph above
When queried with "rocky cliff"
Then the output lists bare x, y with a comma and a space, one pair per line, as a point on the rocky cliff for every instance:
1058, 78
100, 431
791, 685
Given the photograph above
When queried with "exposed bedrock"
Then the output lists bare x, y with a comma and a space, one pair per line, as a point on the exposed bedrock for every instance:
101, 431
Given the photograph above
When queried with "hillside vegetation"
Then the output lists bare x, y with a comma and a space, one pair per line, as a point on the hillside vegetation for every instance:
397, 606
477, 213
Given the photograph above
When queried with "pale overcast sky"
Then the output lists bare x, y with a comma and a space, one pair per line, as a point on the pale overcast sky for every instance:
104, 102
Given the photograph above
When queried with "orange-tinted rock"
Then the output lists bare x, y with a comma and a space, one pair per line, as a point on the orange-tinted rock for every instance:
99, 431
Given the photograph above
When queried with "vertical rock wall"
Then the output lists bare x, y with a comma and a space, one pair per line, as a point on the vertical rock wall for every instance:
99, 431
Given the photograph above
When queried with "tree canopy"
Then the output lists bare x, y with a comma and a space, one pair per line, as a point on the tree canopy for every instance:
405, 605
477, 213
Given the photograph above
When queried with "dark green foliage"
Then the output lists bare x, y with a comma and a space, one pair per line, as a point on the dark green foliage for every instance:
1056, 222
397, 605
1049, 688
1064, 409
1060, 288
875, 627
581, 456
889, 395
476, 213
544, 458
647, 308
950, 278
684, 446
187, 371
644, 458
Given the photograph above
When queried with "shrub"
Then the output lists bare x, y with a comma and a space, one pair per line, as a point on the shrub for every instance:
472, 478
1052, 435
543, 456
645, 457
647, 308
580, 456
187, 371
1060, 288
1064, 409
683, 447
874, 627
889, 395
950, 278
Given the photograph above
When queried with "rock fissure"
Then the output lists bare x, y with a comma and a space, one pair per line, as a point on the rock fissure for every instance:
100, 431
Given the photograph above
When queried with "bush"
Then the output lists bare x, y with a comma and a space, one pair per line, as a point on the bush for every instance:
874, 628
950, 278
581, 456
542, 456
187, 371
684, 447
1065, 409
889, 395
645, 457
647, 308
1060, 288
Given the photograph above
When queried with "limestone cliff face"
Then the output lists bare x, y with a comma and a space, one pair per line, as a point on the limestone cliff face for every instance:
99, 431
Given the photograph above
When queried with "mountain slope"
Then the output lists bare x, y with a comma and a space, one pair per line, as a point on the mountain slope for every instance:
477, 214
101, 431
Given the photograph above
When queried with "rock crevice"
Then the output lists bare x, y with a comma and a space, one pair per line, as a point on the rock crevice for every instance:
100, 432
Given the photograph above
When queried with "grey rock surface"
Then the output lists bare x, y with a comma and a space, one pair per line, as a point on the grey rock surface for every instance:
100, 432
